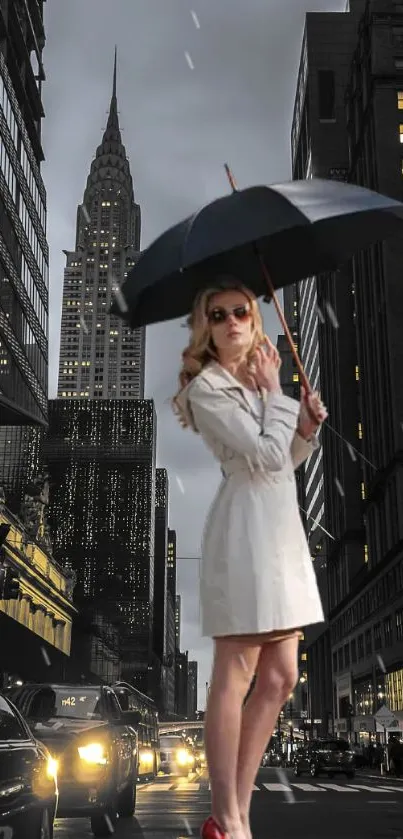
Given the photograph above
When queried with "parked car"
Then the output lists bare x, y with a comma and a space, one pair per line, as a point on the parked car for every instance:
176, 754
331, 756
28, 784
95, 745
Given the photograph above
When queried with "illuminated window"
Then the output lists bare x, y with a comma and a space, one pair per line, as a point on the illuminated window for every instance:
295, 377
360, 431
401, 132
304, 657
357, 369
363, 491
400, 100
365, 553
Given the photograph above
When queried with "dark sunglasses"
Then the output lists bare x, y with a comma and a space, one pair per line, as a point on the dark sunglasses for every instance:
220, 315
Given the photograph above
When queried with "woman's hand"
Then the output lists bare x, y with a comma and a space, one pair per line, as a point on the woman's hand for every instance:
265, 367
312, 413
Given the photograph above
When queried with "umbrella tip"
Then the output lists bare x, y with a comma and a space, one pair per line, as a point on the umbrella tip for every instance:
230, 177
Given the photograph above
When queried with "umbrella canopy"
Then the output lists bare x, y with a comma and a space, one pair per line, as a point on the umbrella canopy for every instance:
297, 230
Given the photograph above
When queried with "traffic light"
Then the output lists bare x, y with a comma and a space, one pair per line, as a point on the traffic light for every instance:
9, 583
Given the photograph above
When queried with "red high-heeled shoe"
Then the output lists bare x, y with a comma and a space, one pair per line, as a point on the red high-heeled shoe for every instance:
211, 830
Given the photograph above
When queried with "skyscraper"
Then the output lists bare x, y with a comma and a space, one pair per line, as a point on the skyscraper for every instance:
352, 65
178, 621
101, 357
101, 458
172, 565
23, 245
192, 690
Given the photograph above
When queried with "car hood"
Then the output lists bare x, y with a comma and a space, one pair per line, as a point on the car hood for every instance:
56, 732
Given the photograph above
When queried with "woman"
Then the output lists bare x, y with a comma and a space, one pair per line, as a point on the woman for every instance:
258, 586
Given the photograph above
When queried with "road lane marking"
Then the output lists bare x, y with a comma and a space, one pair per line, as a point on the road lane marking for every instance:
255, 788
308, 787
372, 789
392, 789
338, 788
277, 787
160, 787
187, 788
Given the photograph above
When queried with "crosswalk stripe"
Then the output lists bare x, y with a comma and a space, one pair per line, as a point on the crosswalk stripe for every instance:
308, 787
338, 788
159, 787
372, 789
392, 789
277, 787
187, 788
255, 788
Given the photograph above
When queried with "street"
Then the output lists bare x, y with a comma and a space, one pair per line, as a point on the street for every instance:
319, 808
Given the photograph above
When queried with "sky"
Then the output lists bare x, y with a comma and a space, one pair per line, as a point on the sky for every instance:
230, 99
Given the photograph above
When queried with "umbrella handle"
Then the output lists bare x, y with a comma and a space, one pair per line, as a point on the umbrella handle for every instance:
303, 377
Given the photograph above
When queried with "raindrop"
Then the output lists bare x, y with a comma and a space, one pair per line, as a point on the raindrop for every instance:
45, 657
381, 663
339, 487
195, 19
320, 314
84, 325
188, 828
351, 452
180, 484
243, 662
109, 824
120, 298
85, 213
189, 61
332, 315
282, 777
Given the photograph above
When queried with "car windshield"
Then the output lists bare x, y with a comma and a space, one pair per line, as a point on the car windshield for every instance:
171, 742
79, 703
336, 746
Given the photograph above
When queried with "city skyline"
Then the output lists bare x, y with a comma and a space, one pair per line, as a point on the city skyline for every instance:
179, 126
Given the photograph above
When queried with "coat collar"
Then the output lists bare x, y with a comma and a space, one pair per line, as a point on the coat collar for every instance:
221, 379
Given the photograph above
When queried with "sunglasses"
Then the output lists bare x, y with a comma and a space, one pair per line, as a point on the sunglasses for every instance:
220, 315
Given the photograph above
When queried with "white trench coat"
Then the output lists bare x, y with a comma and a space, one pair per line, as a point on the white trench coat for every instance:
257, 574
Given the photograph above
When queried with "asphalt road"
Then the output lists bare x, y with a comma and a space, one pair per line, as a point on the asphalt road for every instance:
318, 808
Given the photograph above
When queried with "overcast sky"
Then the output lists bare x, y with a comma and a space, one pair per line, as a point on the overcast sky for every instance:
179, 126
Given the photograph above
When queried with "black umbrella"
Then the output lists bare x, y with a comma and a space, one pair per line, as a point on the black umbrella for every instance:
267, 237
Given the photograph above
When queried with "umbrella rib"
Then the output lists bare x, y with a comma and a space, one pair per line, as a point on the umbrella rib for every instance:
189, 227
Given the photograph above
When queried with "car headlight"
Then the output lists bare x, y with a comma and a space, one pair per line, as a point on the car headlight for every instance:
51, 768
93, 753
182, 756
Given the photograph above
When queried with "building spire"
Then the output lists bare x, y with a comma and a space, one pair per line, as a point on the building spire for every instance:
112, 129
114, 74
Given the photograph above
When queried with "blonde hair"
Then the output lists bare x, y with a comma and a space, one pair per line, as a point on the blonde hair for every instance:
200, 350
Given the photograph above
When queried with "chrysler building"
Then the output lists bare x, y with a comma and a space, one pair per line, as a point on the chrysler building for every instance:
100, 357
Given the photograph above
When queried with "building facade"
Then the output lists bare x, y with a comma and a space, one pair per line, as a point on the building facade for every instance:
192, 690
181, 684
23, 246
366, 619
178, 621
171, 578
100, 356
164, 625
101, 459
347, 126
39, 623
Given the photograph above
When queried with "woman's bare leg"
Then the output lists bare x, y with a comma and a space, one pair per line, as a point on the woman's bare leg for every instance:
277, 674
233, 669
